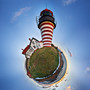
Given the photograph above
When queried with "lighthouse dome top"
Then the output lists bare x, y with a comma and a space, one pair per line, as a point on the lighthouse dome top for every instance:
46, 12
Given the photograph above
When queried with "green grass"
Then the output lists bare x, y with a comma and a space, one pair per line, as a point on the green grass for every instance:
43, 62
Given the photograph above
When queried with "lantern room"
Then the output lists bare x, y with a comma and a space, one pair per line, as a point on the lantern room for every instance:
46, 12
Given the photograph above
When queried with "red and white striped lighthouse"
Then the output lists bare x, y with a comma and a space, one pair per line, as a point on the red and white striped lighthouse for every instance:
46, 25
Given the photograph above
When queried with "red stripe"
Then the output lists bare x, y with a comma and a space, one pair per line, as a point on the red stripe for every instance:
46, 27
46, 31
47, 38
46, 23
47, 35
47, 44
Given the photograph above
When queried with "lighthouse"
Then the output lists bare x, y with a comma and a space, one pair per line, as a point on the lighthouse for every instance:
46, 24
52, 65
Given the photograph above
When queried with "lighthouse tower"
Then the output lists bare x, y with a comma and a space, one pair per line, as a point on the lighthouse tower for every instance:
46, 23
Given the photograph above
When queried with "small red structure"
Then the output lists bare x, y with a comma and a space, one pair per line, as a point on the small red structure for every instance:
30, 39
28, 73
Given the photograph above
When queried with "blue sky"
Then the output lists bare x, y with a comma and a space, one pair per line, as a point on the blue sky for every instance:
18, 23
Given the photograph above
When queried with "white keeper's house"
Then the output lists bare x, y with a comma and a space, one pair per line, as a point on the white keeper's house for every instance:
34, 45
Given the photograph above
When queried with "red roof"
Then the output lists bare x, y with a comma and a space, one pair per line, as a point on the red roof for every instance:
46, 10
25, 50
40, 41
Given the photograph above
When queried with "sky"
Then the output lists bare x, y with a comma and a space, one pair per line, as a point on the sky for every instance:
72, 32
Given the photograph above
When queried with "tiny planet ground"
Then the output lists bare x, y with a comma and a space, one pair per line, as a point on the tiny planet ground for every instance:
47, 69
43, 62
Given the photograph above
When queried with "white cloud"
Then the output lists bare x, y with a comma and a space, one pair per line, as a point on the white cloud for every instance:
88, 69
19, 13
67, 2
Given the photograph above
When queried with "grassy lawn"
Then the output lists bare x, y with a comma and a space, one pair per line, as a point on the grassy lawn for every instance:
43, 62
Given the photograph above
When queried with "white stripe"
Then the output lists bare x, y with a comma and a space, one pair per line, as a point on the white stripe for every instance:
47, 33
46, 29
46, 25
47, 36
47, 42
47, 39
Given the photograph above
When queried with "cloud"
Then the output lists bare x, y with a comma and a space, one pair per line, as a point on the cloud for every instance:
88, 69
67, 2
19, 13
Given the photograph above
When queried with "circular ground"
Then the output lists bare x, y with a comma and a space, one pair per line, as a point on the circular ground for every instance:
43, 62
